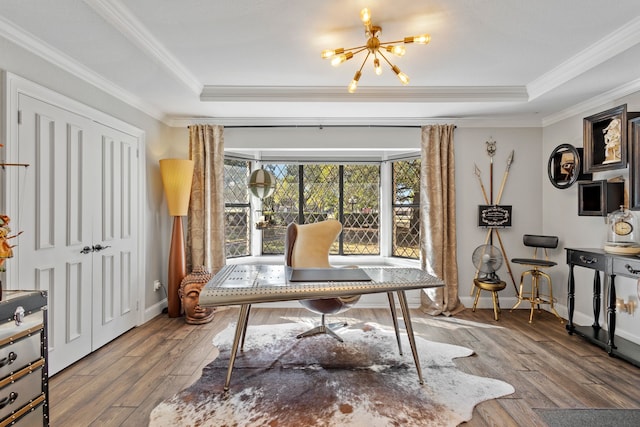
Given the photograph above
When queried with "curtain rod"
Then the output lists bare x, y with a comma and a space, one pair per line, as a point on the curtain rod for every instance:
321, 126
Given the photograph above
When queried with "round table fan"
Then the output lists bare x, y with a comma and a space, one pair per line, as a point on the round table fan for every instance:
487, 259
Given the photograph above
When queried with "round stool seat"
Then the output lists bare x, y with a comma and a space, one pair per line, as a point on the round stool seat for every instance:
493, 287
534, 262
490, 286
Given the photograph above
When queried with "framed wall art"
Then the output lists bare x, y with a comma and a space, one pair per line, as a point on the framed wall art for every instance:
605, 140
565, 166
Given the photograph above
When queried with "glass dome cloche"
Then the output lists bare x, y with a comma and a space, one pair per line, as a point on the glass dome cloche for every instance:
623, 234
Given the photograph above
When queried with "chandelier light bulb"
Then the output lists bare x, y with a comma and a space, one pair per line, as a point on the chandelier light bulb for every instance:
377, 67
396, 50
421, 39
365, 16
328, 53
339, 59
404, 79
354, 83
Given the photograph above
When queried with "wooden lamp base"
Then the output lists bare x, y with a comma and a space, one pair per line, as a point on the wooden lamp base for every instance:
177, 268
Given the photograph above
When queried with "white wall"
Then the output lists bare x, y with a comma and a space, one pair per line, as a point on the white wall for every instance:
560, 217
522, 191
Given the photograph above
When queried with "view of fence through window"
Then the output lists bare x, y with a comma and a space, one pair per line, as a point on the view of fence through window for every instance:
314, 192
237, 208
406, 209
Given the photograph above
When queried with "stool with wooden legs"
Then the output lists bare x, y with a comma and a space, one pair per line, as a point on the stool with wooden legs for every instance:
494, 288
536, 295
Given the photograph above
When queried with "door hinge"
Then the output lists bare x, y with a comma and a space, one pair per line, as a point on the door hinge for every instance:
19, 117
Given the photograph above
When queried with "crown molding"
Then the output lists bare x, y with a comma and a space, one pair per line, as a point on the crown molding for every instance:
365, 94
606, 48
302, 122
595, 102
43, 50
121, 18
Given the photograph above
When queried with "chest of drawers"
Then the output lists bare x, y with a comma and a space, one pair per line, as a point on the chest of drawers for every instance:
23, 361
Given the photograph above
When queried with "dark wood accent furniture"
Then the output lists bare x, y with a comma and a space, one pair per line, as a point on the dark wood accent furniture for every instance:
599, 198
611, 265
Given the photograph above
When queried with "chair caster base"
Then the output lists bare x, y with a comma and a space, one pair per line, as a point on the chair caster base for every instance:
322, 329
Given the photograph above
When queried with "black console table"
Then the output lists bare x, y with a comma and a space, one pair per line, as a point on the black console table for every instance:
611, 265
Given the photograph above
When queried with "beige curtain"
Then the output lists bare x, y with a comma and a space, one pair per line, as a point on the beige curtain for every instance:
438, 219
205, 232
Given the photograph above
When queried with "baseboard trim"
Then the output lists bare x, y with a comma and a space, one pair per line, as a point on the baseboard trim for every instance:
154, 310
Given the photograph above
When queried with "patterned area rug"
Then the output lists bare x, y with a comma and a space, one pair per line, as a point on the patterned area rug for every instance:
282, 381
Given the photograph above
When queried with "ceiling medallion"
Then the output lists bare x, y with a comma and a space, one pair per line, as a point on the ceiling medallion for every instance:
373, 47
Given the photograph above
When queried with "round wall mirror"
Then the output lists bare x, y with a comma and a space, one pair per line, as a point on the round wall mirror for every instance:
565, 165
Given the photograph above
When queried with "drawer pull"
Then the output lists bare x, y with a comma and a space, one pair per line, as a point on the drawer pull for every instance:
631, 270
9, 399
586, 260
8, 360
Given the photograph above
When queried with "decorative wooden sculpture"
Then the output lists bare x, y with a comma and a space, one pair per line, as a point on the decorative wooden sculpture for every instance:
189, 293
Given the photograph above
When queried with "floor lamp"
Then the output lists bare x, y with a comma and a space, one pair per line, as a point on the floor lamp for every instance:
177, 175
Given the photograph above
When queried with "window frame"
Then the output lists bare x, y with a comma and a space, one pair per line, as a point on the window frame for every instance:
394, 206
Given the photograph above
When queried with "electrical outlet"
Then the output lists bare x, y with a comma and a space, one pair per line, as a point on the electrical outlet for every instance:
157, 285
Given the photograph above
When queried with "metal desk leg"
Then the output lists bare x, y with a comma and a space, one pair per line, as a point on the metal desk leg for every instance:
409, 327
394, 316
242, 319
244, 330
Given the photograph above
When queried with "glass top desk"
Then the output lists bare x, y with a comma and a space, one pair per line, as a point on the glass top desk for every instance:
245, 284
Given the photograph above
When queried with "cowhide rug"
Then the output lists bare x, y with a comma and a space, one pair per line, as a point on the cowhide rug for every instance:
280, 380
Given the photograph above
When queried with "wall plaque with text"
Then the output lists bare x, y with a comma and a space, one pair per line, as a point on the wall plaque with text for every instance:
494, 216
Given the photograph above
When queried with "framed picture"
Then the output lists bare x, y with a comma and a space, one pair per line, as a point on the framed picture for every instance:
634, 172
565, 166
605, 140
494, 216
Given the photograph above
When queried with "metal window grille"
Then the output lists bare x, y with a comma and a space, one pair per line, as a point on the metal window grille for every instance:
314, 192
406, 208
237, 208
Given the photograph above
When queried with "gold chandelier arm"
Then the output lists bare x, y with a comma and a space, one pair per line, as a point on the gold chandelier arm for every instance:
385, 58
365, 61
395, 41
421, 39
358, 48
404, 79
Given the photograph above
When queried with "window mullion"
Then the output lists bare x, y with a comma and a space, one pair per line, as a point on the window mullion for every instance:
341, 207
301, 201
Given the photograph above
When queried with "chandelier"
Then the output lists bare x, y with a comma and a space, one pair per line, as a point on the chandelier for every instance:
373, 47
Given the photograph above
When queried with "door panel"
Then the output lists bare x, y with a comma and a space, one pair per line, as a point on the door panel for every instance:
56, 203
114, 313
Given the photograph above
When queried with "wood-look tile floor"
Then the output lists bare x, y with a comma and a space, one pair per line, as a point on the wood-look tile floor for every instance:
121, 383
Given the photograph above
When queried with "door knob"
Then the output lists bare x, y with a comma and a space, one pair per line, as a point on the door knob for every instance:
86, 250
99, 247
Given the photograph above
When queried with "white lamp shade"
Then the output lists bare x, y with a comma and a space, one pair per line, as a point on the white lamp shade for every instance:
262, 183
177, 176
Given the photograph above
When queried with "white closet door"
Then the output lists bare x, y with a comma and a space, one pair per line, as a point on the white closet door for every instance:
58, 196
79, 215
114, 269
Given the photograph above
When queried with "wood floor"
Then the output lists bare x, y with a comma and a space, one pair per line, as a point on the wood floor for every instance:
121, 383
